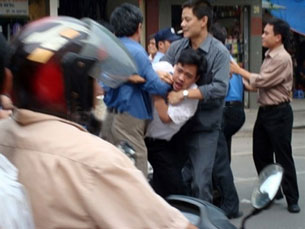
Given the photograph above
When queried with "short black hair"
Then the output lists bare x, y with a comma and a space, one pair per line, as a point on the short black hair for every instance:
200, 9
3, 53
151, 37
219, 32
125, 19
193, 57
281, 27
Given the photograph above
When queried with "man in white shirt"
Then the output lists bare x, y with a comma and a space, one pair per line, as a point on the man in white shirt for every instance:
167, 121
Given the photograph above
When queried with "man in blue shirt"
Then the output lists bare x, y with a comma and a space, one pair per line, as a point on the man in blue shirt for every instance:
131, 103
164, 38
233, 113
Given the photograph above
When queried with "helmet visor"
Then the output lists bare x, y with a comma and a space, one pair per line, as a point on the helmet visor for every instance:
115, 64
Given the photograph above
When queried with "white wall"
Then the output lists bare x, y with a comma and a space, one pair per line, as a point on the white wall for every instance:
54, 4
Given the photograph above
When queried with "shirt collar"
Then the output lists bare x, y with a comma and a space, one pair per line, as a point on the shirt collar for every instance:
274, 52
27, 117
128, 39
204, 46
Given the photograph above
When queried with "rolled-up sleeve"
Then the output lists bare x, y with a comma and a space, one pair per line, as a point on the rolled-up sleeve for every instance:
153, 85
217, 89
271, 74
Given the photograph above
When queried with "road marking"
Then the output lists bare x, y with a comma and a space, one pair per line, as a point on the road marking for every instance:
241, 154
243, 180
245, 201
252, 179
298, 147
250, 153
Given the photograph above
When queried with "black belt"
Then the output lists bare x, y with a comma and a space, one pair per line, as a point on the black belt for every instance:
233, 103
155, 140
272, 107
113, 110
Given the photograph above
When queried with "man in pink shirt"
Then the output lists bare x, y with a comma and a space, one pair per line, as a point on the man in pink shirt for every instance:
273, 127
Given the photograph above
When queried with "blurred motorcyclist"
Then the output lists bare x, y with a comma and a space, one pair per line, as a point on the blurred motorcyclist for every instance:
5, 101
74, 179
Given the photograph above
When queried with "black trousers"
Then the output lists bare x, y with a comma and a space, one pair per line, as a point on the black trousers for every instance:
223, 180
272, 136
234, 117
197, 140
167, 166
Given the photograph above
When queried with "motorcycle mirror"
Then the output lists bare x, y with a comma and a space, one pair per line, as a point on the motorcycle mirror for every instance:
269, 182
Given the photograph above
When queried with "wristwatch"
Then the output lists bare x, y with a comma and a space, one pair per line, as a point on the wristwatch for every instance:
185, 93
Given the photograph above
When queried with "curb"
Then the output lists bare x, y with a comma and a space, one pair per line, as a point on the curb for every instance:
251, 114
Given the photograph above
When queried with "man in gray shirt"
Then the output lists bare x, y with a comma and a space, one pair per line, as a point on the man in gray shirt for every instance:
199, 136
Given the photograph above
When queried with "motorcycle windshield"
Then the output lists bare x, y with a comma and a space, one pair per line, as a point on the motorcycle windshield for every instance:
116, 64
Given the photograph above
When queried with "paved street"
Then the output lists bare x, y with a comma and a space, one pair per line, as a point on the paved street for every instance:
277, 216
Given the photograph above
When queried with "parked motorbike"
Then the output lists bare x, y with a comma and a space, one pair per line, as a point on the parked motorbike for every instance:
200, 213
126, 148
205, 215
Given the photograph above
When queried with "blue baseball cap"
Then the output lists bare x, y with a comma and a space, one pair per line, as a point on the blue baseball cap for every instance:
167, 34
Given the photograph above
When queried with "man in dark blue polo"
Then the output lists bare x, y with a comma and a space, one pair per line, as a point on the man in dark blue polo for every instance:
164, 38
131, 103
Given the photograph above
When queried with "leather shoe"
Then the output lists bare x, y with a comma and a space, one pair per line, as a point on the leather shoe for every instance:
279, 196
236, 215
294, 208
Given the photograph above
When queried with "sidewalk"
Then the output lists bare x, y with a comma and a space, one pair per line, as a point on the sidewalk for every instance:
298, 106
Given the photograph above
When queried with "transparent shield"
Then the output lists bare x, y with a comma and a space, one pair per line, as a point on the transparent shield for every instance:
116, 64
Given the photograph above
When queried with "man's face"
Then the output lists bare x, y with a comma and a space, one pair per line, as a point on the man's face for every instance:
151, 48
164, 46
167, 44
184, 76
191, 25
269, 39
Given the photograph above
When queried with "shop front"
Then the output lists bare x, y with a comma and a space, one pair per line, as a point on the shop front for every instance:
13, 15
16, 13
